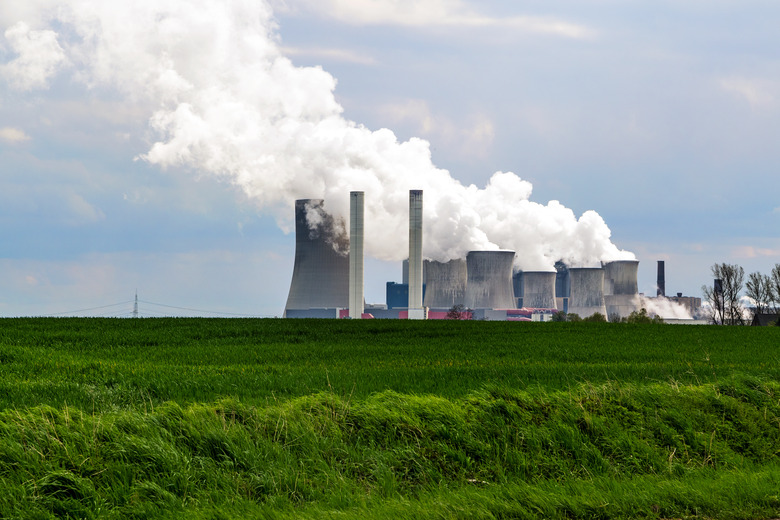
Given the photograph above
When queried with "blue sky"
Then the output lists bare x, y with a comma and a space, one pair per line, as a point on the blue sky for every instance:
662, 117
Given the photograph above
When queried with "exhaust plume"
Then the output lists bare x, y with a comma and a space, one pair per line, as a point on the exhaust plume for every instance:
227, 102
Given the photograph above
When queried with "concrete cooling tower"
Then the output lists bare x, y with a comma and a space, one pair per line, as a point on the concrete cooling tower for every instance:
445, 283
587, 291
539, 289
321, 270
489, 280
621, 287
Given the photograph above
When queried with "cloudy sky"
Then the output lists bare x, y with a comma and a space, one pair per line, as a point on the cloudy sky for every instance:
159, 149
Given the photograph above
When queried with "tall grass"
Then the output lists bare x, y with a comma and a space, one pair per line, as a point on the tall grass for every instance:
604, 451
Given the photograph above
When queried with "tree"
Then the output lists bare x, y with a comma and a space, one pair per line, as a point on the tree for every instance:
641, 316
714, 296
596, 317
759, 289
573, 316
774, 287
559, 316
724, 297
455, 312
459, 312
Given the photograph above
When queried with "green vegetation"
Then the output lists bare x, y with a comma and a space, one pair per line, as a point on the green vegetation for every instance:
197, 418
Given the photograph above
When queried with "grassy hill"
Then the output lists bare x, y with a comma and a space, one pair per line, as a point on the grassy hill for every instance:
198, 418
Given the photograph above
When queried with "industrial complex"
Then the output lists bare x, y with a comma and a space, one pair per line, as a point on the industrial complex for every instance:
328, 281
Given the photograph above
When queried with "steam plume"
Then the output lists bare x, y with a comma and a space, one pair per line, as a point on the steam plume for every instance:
228, 103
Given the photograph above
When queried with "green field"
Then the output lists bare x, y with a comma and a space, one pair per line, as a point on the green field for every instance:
243, 418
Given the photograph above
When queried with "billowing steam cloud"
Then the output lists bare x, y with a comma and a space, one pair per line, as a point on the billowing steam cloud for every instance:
230, 104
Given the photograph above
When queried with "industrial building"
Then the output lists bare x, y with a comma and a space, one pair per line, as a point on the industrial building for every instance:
328, 277
692, 304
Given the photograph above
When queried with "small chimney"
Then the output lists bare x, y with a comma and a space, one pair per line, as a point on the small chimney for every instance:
661, 280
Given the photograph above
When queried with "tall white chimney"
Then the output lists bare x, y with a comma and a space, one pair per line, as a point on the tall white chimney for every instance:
356, 212
416, 310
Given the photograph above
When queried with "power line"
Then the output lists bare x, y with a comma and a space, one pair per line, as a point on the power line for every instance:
201, 310
135, 312
90, 309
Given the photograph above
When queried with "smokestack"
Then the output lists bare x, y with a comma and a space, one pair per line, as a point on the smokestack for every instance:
661, 280
517, 287
562, 281
587, 291
489, 280
539, 289
321, 271
415, 255
445, 283
356, 212
621, 294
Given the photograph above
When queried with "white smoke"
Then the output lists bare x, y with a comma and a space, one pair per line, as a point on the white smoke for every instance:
664, 308
228, 103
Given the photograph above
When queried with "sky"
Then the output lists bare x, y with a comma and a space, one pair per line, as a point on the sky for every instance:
160, 149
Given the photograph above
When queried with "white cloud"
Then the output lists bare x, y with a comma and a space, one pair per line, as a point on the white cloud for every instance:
81, 211
759, 93
413, 13
473, 137
755, 252
343, 55
39, 57
13, 135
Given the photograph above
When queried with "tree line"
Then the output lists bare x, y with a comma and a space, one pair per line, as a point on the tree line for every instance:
725, 294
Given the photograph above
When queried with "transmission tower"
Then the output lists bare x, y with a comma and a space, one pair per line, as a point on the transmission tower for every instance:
135, 305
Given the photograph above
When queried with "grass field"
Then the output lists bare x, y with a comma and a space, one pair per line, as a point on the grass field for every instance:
200, 418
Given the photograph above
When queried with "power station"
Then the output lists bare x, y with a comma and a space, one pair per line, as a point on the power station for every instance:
328, 277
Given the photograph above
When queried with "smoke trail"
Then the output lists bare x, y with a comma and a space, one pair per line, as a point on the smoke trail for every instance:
664, 308
228, 103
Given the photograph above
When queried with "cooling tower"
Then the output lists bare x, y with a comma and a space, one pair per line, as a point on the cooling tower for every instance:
620, 287
587, 291
415, 255
489, 280
321, 270
539, 289
445, 283
356, 212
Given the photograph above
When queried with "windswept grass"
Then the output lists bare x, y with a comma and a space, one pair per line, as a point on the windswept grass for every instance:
603, 451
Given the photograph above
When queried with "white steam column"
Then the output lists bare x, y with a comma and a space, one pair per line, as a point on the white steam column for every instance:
587, 291
416, 310
356, 212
